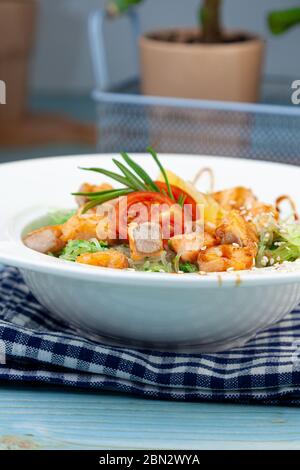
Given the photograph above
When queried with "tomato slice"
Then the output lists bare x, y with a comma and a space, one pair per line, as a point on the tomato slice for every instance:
177, 193
137, 206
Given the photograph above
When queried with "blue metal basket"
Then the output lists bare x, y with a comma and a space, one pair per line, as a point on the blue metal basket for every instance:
129, 121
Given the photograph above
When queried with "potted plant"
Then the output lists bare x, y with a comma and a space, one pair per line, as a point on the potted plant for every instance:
17, 26
205, 62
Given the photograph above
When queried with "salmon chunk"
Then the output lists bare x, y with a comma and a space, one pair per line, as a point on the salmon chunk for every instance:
234, 229
45, 240
106, 259
145, 240
80, 227
188, 245
226, 257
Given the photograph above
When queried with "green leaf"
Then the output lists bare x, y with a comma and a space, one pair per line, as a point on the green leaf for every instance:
112, 175
155, 157
176, 263
281, 21
181, 200
75, 248
278, 243
140, 172
188, 268
130, 177
105, 198
95, 195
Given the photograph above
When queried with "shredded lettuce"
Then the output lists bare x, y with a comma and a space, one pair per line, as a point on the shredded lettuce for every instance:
188, 268
59, 217
279, 242
75, 248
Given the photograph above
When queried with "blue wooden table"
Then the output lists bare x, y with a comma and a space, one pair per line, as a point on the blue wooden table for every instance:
40, 418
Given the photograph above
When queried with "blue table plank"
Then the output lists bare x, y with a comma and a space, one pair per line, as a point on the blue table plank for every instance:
38, 418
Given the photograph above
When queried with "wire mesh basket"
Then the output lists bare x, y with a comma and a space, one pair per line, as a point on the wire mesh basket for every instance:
130, 121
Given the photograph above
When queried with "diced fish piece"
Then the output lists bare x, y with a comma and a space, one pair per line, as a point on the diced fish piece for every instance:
105, 259
188, 245
145, 240
45, 240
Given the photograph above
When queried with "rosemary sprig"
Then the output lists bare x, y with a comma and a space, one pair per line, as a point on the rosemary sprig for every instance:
155, 157
96, 194
133, 177
105, 198
112, 175
140, 172
139, 185
181, 200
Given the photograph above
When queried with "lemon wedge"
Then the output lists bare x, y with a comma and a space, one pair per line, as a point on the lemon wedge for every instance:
211, 207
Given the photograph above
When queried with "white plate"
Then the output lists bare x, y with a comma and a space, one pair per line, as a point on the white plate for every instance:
210, 313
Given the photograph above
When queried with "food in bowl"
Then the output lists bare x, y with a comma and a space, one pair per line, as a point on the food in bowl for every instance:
168, 225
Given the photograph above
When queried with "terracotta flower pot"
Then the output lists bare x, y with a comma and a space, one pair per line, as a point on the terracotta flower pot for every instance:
17, 25
230, 71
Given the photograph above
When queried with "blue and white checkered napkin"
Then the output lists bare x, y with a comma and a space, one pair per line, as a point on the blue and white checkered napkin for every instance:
40, 348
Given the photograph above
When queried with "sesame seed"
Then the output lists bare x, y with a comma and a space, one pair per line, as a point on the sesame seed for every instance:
229, 270
235, 245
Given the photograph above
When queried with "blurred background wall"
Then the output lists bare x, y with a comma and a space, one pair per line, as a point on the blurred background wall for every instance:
62, 62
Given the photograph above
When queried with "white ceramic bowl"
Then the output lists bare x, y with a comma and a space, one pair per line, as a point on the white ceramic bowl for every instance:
208, 313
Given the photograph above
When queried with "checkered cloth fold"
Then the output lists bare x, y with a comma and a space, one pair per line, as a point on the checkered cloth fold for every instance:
41, 348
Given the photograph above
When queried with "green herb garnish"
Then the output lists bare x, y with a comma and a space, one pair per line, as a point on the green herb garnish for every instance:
133, 177
133, 180
176, 261
75, 248
279, 242
188, 268
181, 200
140, 172
154, 155
101, 198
